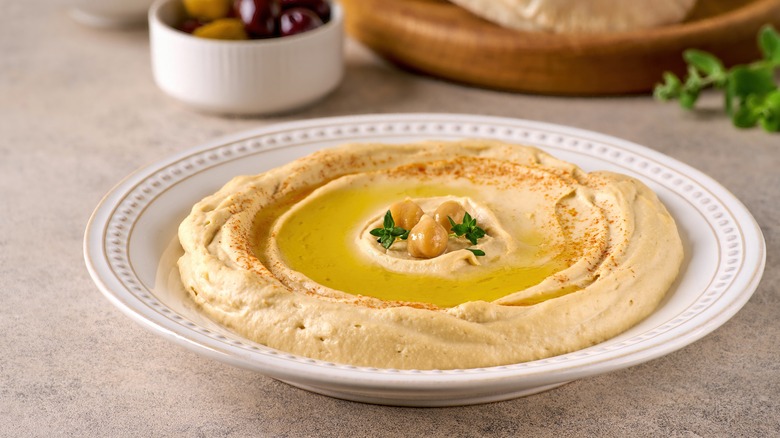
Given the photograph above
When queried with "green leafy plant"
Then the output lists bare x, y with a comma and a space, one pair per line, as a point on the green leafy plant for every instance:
389, 232
751, 96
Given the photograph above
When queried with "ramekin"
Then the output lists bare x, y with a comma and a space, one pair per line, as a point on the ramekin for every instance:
252, 77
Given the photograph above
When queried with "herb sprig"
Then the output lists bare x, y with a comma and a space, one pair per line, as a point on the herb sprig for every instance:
751, 95
389, 232
467, 228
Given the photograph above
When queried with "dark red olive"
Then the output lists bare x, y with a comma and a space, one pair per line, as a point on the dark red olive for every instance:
260, 17
189, 25
297, 20
320, 7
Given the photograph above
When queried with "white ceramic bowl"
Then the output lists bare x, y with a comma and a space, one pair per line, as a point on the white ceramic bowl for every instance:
244, 77
110, 13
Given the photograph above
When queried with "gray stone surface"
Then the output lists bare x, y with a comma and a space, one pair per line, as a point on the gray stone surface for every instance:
79, 111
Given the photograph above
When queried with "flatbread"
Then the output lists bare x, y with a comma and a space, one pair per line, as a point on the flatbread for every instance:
579, 16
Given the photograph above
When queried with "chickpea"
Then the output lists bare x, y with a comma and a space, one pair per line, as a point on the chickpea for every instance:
451, 209
406, 214
427, 239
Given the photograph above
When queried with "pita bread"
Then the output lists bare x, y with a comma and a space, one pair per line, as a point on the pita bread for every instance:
579, 16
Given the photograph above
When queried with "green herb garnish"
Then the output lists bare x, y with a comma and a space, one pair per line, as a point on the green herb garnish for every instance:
389, 232
467, 228
477, 252
751, 95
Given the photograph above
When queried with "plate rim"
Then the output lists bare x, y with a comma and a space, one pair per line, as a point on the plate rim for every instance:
366, 377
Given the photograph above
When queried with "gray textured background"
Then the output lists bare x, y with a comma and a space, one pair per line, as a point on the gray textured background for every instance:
79, 111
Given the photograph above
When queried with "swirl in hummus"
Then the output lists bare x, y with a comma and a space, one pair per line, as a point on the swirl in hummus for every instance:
286, 258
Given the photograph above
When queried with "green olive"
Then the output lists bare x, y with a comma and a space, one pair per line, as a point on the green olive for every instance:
208, 10
449, 209
406, 214
222, 29
427, 239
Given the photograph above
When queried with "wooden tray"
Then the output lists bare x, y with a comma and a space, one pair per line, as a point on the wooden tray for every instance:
440, 39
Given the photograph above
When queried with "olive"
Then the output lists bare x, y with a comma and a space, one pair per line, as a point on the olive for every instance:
406, 214
320, 7
189, 25
449, 209
222, 29
427, 239
298, 20
260, 17
207, 10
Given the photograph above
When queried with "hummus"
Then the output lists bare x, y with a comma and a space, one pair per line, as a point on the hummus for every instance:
286, 258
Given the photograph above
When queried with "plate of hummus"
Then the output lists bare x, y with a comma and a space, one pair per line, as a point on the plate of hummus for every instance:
425, 259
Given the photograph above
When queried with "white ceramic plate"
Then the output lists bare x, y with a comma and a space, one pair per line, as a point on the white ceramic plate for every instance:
129, 253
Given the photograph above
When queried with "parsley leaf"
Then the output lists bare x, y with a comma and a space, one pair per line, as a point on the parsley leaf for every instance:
751, 94
769, 43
